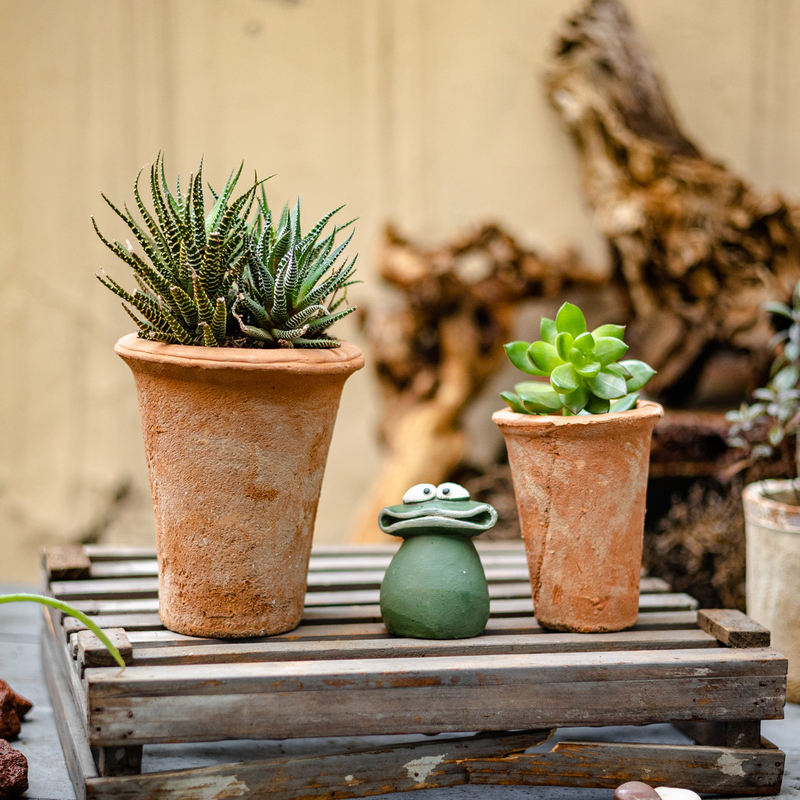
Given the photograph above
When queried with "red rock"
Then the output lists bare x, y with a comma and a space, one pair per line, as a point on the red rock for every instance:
9, 719
636, 790
23, 705
13, 771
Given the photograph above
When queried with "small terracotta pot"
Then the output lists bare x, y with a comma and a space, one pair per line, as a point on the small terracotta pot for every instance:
580, 484
772, 526
236, 443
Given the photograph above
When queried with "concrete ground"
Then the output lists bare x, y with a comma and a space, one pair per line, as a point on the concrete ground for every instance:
20, 666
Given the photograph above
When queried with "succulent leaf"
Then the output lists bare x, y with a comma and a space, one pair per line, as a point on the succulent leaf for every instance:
517, 353
548, 331
544, 356
608, 349
570, 320
607, 385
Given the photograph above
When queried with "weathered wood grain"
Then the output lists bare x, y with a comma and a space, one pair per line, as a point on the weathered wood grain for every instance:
656, 621
91, 652
287, 649
430, 695
718, 770
66, 562
733, 628
78, 756
395, 768
144, 719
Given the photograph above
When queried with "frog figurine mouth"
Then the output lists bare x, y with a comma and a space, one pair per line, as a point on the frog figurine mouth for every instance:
464, 517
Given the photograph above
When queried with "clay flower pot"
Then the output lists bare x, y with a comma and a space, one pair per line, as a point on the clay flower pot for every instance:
772, 526
236, 443
580, 484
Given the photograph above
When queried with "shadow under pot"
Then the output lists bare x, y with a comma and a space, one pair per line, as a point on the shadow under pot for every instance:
580, 483
236, 443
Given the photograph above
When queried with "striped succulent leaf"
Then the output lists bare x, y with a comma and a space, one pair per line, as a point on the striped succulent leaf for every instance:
190, 273
292, 287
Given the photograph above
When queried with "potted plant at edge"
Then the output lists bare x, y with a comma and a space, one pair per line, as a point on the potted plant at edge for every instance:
772, 507
579, 450
238, 385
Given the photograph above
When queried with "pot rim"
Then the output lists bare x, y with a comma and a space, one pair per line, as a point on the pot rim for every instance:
506, 418
768, 513
346, 358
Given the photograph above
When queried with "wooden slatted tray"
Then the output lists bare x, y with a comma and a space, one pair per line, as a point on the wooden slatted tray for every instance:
340, 674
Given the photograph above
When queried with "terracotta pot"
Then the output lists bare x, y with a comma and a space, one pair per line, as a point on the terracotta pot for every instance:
580, 484
772, 525
236, 443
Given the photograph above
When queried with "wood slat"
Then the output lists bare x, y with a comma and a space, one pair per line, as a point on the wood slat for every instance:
427, 765
237, 652
733, 628
605, 765
354, 607
91, 652
431, 695
670, 620
66, 562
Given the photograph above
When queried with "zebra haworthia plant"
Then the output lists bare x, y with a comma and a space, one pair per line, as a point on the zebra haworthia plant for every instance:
206, 279
284, 285
584, 369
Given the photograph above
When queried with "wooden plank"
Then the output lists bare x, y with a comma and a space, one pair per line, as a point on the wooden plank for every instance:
733, 628
271, 650
605, 765
91, 652
462, 671
430, 695
521, 623
143, 719
657, 621
66, 562
78, 756
394, 768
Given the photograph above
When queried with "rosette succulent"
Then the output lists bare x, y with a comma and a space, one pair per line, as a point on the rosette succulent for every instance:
586, 375
292, 291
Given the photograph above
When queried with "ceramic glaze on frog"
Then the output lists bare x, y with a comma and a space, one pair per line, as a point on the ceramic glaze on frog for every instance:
435, 587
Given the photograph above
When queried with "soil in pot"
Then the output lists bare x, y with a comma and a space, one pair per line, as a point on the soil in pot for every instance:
236, 443
580, 484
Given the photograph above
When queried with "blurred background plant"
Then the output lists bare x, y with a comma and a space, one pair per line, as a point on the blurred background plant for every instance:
759, 430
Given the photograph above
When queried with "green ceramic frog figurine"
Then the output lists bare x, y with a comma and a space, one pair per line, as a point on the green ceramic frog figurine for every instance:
435, 587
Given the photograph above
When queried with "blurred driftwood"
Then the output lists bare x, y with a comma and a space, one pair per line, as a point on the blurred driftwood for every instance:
434, 353
695, 254
697, 251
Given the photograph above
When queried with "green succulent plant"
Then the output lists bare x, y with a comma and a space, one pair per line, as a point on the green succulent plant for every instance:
584, 369
292, 289
205, 279
189, 279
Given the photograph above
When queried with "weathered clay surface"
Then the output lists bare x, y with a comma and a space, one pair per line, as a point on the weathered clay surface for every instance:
773, 566
236, 444
13, 771
580, 484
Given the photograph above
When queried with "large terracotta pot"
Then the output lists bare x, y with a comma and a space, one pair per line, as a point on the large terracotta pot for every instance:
580, 484
772, 526
236, 443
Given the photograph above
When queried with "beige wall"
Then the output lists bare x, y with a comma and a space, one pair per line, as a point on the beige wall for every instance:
427, 112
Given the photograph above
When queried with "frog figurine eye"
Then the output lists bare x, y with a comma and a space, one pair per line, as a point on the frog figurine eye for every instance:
420, 493
451, 491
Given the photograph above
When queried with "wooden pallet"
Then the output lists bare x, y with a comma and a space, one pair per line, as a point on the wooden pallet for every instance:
341, 675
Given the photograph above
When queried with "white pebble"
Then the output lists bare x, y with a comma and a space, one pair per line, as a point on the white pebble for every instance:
673, 793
